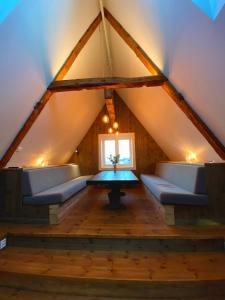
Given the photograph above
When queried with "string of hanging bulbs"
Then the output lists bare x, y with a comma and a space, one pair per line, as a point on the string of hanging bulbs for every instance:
114, 127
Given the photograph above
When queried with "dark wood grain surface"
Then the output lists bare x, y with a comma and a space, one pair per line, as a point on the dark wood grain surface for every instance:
108, 177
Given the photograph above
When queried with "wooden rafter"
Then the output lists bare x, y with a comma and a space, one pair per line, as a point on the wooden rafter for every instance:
46, 96
105, 83
110, 105
168, 86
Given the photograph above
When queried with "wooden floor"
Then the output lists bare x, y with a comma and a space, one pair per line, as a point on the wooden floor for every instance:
142, 217
115, 265
96, 253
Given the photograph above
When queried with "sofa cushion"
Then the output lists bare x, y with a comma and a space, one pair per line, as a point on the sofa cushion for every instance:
39, 179
190, 177
59, 193
169, 193
184, 199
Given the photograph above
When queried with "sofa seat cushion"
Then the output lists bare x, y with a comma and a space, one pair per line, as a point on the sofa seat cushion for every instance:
169, 193
59, 193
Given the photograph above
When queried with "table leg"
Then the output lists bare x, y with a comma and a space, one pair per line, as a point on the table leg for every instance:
114, 197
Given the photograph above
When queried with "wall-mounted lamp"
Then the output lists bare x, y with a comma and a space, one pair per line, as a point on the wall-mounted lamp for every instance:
19, 149
41, 162
191, 157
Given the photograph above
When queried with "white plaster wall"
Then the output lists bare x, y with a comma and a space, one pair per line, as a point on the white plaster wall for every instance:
189, 48
35, 40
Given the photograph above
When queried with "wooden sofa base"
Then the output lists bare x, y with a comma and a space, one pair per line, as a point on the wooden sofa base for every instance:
187, 214
44, 214
190, 215
12, 208
58, 212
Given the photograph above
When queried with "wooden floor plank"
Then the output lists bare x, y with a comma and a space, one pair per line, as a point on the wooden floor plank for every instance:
142, 217
114, 265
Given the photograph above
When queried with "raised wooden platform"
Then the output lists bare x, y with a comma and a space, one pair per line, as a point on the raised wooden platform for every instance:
103, 254
143, 217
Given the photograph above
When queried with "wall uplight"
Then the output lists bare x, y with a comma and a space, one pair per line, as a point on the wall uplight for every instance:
41, 162
191, 157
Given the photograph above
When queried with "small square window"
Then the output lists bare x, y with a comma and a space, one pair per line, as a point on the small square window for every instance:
112, 144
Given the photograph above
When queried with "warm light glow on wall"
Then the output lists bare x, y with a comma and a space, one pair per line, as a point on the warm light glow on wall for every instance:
191, 157
41, 162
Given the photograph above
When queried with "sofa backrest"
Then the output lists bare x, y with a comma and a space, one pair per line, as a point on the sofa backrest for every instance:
187, 176
39, 179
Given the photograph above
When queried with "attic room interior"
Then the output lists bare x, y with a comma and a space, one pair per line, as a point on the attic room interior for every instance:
112, 149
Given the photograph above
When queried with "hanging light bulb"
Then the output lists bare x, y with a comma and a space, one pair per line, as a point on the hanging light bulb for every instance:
117, 133
115, 125
110, 130
105, 119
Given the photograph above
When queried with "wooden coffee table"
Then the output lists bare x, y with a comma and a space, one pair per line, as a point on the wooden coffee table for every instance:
115, 181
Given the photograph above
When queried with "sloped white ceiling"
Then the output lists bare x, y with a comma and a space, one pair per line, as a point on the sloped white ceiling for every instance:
36, 39
59, 129
181, 40
189, 48
92, 61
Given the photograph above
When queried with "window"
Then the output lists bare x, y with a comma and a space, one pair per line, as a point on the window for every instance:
112, 144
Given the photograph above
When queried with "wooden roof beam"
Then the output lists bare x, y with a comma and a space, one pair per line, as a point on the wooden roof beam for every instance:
47, 94
169, 88
105, 83
110, 105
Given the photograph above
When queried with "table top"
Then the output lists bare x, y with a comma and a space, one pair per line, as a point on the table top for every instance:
105, 177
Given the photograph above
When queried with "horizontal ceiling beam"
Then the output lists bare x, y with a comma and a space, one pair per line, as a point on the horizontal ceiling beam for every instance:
105, 83
168, 87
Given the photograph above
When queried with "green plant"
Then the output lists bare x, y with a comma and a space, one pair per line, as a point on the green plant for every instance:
114, 159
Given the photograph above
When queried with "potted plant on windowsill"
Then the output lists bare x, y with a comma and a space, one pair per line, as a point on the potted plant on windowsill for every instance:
114, 160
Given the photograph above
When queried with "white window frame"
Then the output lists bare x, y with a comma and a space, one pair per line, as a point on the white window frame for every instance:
103, 137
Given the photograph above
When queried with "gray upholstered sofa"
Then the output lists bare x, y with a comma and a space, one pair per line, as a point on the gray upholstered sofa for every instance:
178, 186
51, 185
38, 195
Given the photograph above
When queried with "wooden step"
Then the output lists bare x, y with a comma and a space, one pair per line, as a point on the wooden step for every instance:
18, 294
114, 273
141, 244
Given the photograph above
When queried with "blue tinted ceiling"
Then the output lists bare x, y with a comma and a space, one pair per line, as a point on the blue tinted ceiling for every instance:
211, 7
6, 7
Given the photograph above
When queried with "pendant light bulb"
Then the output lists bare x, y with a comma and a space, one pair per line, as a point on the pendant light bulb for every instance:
115, 125
117, 133
105, 119
110, 130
